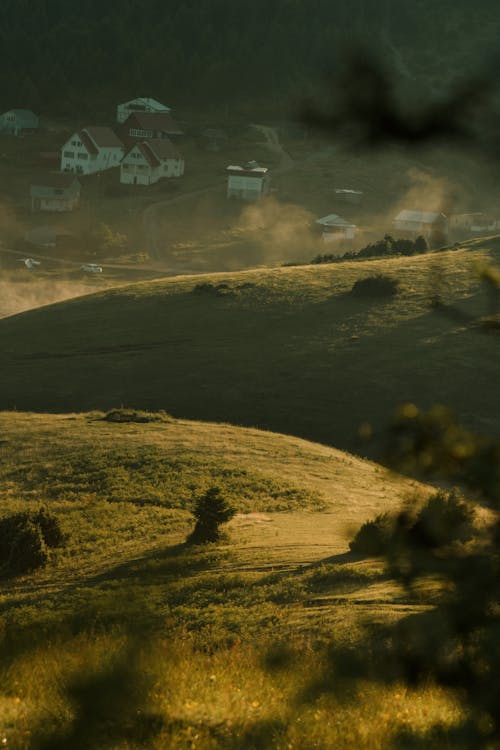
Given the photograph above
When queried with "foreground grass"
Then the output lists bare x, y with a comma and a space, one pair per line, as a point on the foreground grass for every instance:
130, 639
286, 349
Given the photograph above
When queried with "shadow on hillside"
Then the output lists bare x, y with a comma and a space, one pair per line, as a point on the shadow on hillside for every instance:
316, 370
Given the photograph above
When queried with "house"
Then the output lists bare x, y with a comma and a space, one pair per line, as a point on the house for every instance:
142, 104
56, 192
249, 182
429, 224
19, 122
336, 228
149, 161
475, 223
145, 125
91, 150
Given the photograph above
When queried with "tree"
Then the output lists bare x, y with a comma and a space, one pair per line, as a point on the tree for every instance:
211, 511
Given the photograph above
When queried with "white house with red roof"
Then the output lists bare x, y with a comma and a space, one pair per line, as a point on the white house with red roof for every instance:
149, 161
141, 104
92, 149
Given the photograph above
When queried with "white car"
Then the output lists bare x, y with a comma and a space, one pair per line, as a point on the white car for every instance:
30, 263
91, 268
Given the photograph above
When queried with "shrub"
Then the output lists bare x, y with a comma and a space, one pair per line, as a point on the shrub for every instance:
375, 286
217, 290
373, 537
445, 518
210, 511
136, 415
25, 540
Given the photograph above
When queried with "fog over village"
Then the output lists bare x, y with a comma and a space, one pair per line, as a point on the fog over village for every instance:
249, 402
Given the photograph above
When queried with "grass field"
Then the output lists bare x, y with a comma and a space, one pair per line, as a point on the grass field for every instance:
287, 349
129, 639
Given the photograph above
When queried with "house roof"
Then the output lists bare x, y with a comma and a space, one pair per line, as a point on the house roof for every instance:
25, 114
156, 150
143, 101
52, 182
57, 180
420, 217
159, 121
333, 220
102, 137
249, 170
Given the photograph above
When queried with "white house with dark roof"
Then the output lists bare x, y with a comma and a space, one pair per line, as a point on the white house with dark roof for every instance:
149, 161
146, 125
56, 192
18, 122
141, 104
92, 149
334, 227
248, 182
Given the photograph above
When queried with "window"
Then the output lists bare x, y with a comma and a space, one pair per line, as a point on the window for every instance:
69, 154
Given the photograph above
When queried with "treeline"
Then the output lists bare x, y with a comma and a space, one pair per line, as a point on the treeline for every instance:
80, 57
387, 246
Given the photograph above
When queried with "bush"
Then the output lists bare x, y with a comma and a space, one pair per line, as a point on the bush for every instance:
25, 541
210, 511
136, 415
444, 519
372, 539
378, 286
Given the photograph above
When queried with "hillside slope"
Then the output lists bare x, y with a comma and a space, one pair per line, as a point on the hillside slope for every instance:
288, 349
203, 618
297, 501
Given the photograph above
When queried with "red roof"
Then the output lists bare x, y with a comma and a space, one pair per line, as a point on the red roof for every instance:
103, 137
155, 121
157, 150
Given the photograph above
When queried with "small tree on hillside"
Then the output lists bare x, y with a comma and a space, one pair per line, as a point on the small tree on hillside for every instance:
211, 510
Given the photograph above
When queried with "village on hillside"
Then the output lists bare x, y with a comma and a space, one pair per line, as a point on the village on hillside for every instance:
147, 182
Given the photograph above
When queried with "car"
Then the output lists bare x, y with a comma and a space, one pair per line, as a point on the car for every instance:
91, 268
30, 263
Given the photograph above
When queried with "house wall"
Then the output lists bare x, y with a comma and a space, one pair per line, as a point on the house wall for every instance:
75, 158
347, 233
11, 123
247, 188
136, 171
58, 205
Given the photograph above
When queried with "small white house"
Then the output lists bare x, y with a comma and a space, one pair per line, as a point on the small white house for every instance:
149, 161
91, 150
56, 192
249, 182
18, 122
421, 223
142, 104
336, 228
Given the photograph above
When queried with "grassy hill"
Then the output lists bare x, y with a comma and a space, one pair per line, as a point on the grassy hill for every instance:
286, 349
221, 644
